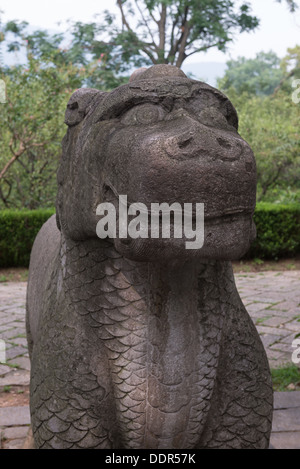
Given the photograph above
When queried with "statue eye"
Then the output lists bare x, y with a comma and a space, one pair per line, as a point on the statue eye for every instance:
144, 114
214, 118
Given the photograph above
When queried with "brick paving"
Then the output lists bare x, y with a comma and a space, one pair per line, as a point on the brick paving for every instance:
272, 299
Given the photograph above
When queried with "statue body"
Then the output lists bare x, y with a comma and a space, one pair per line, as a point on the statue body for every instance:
141, 343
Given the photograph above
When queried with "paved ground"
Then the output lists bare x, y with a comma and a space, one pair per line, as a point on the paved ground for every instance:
273, 301
271, 298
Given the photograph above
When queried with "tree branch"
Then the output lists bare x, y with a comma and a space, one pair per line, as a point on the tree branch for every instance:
7, 166
18, 160
150, 55
126, 24
175, 22
204, 48
183, 36
290, 75
22, 148
147, 26
162, 28
182, 55
16, 155
124, 21
4, 198
270, 182
152, 16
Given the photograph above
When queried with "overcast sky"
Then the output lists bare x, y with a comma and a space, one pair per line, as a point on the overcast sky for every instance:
279, 29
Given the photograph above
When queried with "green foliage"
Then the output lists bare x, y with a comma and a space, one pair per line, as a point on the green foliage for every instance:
18, 230
100, 55
291, 4
261, 90
31, 129
32, 120
264, 75
259, 76
278, 231
99, 63
168, 31
270, 125
290, 66
291, 62
285, 376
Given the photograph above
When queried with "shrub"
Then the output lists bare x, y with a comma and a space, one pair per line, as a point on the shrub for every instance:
278, 231
18, 229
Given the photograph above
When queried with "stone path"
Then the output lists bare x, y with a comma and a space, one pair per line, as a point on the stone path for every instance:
14, 421
273, 301
271, 298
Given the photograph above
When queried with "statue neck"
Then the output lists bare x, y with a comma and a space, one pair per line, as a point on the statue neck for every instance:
161, 326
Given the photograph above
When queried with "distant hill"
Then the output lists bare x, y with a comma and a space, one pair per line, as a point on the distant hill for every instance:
208, 72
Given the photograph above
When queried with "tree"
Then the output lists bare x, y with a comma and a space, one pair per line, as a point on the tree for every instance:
270, 125
146, 32
31, 122
77, 48
290, 66
269, 119
259, 76
291, 4
100, 56
169, 31
31, 130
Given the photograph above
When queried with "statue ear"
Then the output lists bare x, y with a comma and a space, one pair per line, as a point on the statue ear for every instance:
79, 105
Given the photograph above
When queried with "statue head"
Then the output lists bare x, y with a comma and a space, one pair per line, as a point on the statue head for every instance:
161, 138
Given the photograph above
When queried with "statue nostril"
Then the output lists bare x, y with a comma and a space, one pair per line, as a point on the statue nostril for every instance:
181, 146
184, 142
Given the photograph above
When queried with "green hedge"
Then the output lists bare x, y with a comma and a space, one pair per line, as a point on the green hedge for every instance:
18, 230
278, 233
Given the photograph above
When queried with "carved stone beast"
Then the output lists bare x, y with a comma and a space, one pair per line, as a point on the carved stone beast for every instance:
141, 343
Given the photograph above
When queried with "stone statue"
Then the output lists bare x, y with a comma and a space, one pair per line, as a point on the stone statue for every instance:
142, 343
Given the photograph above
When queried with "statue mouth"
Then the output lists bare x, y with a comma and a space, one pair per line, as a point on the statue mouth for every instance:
191, 225
160, 209
174, 228
214, 218
229, 214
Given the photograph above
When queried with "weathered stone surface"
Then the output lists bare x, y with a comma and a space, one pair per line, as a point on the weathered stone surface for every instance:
285, 440
14, 416
15, 433
141, 343
15, 378
23, 362
286, 400
4, 369
286, 420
